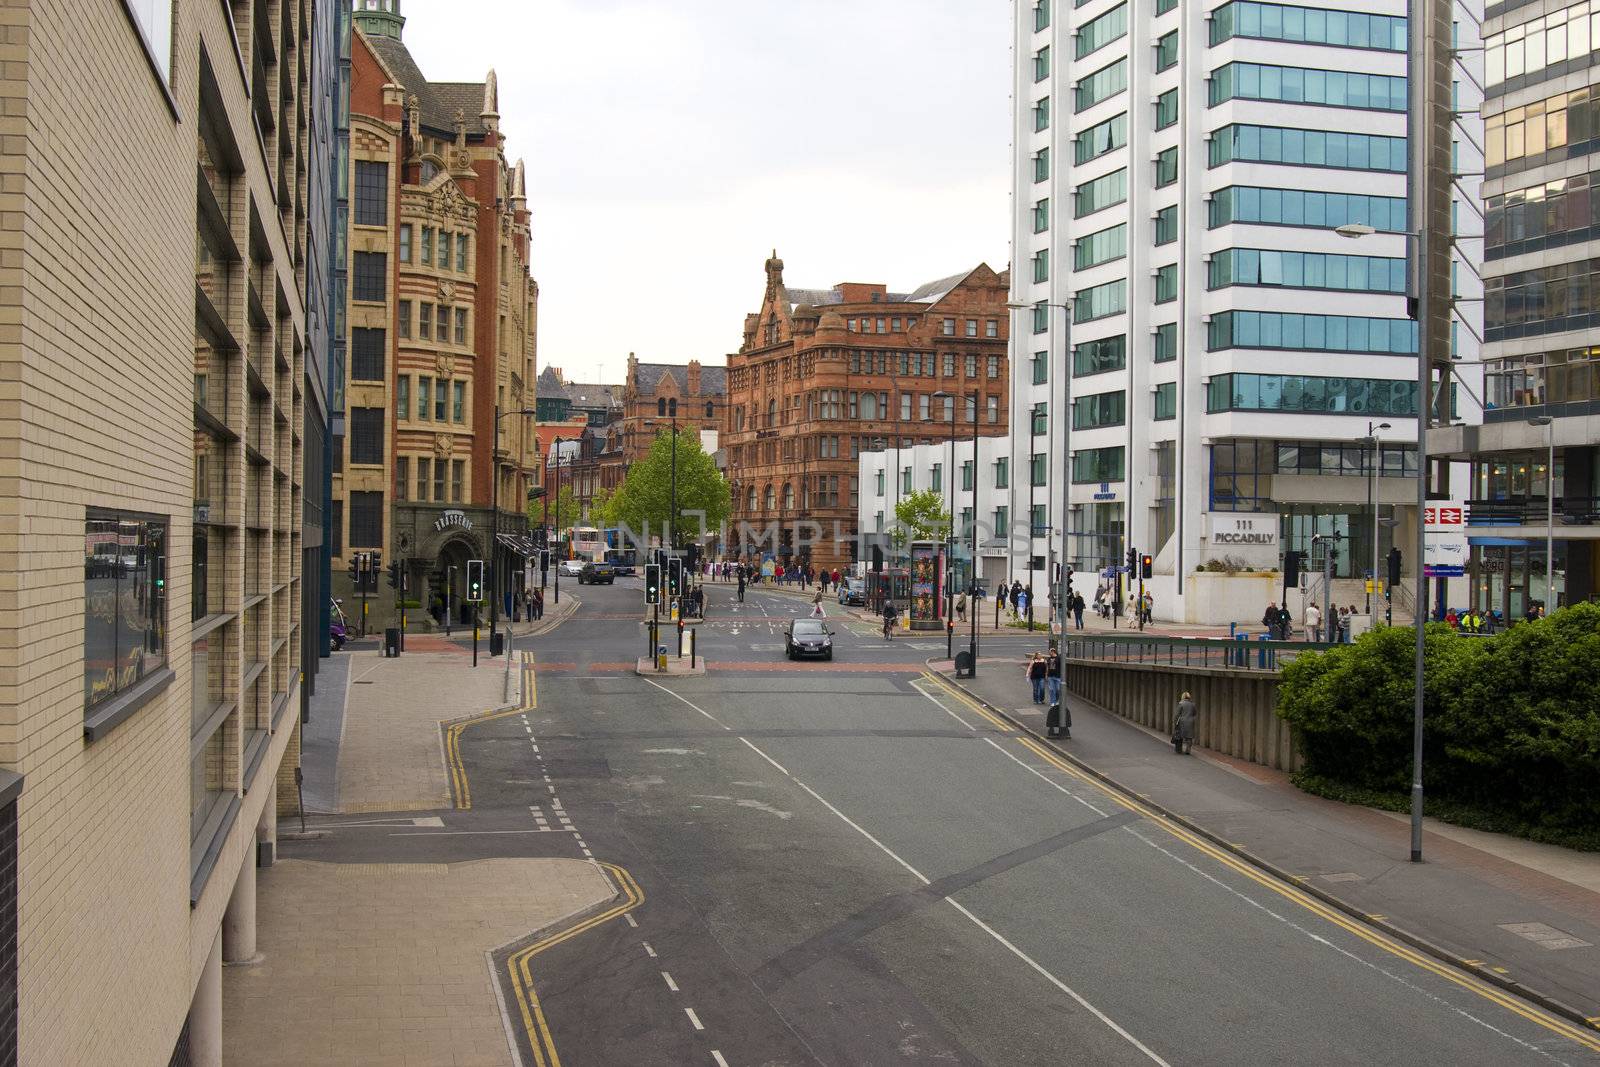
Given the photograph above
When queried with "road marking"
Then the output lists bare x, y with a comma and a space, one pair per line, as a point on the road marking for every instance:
648, 951
670, 983
942, 708
919, 876
689, 702
764, 756
693, 1018
717, 1056
1311, 904
977, 709
631, 921
456, 771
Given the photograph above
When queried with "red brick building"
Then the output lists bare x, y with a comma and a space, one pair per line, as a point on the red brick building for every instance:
653, 395
824, 374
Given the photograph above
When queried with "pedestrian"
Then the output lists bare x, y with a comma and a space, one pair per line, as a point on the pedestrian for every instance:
1016, 596
1036, 672
961, 606
1269, 619
740, 579
538, 604
1077, 609
836, 577
1022, 603
1313, 623
1147, 608
1183, 726
1052, 673
816, 605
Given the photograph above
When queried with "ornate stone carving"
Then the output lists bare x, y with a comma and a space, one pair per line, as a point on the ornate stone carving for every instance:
447, 291
445, 364
441, 444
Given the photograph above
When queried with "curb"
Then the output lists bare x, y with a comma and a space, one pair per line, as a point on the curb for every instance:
1416, 941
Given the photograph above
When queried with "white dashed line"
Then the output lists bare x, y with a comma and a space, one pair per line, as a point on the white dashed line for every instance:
693, 1018
526, 727
717, 1057
631, 922
552, 789
670, 983
648, 951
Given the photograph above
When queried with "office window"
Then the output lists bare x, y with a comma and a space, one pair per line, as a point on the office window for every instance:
458, 401
1102, 137
1002, 472
1041, 165
1041, 316
1166, 167
1167, 225
370, 278
1103, 246
125, 602
402, 478
1041, 215
966, 476
366, 355
1166, 109
461, 326
1100, 301
402, 397
1039, 419
427, 246
1167, 52
1166, 401
1041, 114
1098, 357
1101, 31
424, 477
441, 322
1041, 368
1002, 522
1554, 129
458, 472
1563, 38
1324, 396
405, 243
1091, 465
1306, 270
1101, 193
1166, 283
461, 252
425, 321
1037, 469
424, 396
992, 405
1039, 526
1166, 342
1163, 6
366, 520
371, 193
439, 397
403, 318
1041, 15
366, 435
1301, 85
1041, 271
1103, 84
880, 480
1307, 25
936, 481
1299, 207
1311, 333
1099, 409
1308, 148
1041, 64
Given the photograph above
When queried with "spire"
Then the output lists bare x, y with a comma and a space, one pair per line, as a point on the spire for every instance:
774, 275
491, 102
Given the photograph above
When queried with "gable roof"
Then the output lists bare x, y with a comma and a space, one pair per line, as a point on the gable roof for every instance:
550, 386
929, 293
647, 378
933, 292
594, 394
436, 101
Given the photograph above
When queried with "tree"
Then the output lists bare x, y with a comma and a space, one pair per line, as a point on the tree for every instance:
600, 508
920, 516
643, 502
562, 511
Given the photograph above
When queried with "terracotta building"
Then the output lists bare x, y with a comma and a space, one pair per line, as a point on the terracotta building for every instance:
442, 316
653, 396
825, 374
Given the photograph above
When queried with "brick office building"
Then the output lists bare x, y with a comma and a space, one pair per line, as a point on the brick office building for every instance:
825, 374
653, 396
441, 313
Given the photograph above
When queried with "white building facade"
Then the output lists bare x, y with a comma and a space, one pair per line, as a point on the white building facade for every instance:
1179, 171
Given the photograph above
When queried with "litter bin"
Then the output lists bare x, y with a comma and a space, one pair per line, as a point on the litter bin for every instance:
964, 664
391, 641
1058, 721
497, 643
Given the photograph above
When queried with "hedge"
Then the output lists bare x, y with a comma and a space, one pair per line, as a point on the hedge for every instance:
1512, 735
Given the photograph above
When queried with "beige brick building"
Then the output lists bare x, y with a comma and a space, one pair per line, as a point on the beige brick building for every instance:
152, 362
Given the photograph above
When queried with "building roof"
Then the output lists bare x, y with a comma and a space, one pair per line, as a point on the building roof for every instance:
438, 102
933, 292
713, 380
594, 394
930, 293
550, 386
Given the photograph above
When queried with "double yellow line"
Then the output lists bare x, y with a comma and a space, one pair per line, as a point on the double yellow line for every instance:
972, 705
1344, 922
452, 734
517, 964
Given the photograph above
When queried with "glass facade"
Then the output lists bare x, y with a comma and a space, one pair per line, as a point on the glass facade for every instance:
1099, 301
1097, 465
1097, 357
1300, 207
1101, 247
1551, 130
1306, 270
1100, 138
1101, 193
1548, 215
1302, 85
1311, 333
1307, 148
1099, 409
1101, 31
1544, 47
1312, 395
1553, 299
1307, 25
1103, 84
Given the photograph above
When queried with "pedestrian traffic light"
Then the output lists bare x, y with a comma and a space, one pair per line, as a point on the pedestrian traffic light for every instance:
1133, 560
355, 570
475, 581
1394, 567
1147, 565
394, 574
675, 576
652, 583
374, 564
1291, 569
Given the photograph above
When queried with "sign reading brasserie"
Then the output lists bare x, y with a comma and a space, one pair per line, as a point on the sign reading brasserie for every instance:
453, 517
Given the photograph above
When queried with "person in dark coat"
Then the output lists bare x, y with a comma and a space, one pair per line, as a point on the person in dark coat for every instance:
1036, 677
1183, 726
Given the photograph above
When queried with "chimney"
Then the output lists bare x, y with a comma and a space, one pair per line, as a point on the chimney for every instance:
694, 377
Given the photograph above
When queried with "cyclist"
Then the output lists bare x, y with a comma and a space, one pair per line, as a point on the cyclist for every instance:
890, 613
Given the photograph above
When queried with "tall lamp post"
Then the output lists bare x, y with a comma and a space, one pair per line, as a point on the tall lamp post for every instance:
1549, 425
1371, 441
950, 532
494, 522
1066, 461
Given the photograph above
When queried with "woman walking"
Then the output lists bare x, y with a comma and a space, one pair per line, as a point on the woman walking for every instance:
1036, 676
1183, 726
816, 605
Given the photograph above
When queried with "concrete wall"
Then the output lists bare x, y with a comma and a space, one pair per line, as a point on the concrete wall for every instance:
1236, 715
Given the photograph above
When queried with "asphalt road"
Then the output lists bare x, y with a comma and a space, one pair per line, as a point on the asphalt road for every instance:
846, 864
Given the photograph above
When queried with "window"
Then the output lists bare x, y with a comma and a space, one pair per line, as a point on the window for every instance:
1099, 409
461, 252
966, 476
1039, 420
458, 401
1002, 522
1306, 270
994, 366
461, 326
1166, 342
1167, 225
1549, 130
424, 477
1299, 207
403, 318
1547, 215
1166, 109
880, 324
1166, 401
923, 407
439, 471
1002, 472
1039, 526
366, 355
991, 328
880, 480
366, 520
1098, 357
936, 482
949, 364
1091, 465
427, 246
1041, 114
1101, 31
439, 392
992, 415
1103, 84
424, 396
366, 435
154, 20
711, 409
1311, 333
1542, 300
372, 193
972, 327
1167, 52
1100, 301
405, 243
402, 479
369, 279
1166, 283
1041, 271
1100, 138
458, 471
1037, 468
1301, 85
1306, 148
949, 328
1041, 368
425, 321
1163, 6
1323, 396
1041, 215
1101, 193
1041, 15
402, 397
1307, 25
441, 323
1041, 316
1103, 246
1166, 167
1041, 165
1562, 39
445, 237
125, 602
1041, 64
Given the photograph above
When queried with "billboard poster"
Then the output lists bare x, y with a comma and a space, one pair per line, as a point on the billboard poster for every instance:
924, 581
1445, 539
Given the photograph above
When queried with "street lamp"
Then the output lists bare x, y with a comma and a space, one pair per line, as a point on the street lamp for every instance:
1549, 425
1371, 441
494, 508
950, 533
555, 451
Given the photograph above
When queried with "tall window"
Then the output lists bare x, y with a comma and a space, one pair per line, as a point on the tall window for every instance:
402, 397
1166, 342
370, 278
458, 468
427, 246
366, 354
1041, 114
1037, 467
366, 435
1167, 51
461, 252
366, 520
1041, 265
1041, 368
1166, 109
424, 477
1166, 167
458, 401
425, 321
424, 396
1002, 472
461, 326
1041, 64
405, 243
1166, 401
440, 392
125, 602
402, 478
372, 193
1041, 215
403, 318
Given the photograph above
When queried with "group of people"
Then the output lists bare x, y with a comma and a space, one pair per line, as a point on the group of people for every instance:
1338, 625
1044, 674
748, 573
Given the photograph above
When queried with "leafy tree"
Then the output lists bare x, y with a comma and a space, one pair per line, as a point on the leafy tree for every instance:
920, 516
562, 512
643, 502
600, 508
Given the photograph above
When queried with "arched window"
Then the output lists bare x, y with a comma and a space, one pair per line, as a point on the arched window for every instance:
661, 405
752, 505
672, 407
709, 412
770, 499
788, 495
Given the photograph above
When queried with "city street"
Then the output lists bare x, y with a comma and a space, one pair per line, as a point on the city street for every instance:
848, 863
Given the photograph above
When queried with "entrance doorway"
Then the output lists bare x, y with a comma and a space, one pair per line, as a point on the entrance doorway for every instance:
448, 581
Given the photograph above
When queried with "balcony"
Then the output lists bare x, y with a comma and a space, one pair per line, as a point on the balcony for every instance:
1534, 511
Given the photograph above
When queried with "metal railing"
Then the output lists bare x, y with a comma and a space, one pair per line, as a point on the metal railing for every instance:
1246, 651
1532, 511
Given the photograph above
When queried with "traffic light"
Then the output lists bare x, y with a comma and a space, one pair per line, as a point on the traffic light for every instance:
1394, 568
1069, 577
1133, 560
394, 574
694, 558
475, 581
652, 583
374, 564
355, 570
675, 576
1147, 565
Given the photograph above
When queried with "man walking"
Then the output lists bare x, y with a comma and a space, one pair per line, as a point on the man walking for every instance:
740, 576
1313, 623
1077, 609
1052, 674
538, 604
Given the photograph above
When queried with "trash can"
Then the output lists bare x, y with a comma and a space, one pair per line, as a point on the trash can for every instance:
497, 643
1058, 721
391, 641
964, 664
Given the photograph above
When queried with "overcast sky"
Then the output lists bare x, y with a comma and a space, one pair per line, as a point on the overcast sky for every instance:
671, 144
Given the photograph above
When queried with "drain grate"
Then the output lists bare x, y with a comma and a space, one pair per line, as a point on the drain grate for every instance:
1544, 935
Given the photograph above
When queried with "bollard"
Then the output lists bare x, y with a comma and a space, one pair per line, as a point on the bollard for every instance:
680, 638
1263, 652
1241, 655
1233, 630
693, 635
661, 657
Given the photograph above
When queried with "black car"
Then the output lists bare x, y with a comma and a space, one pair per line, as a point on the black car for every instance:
853, 591
595, 573
808, 637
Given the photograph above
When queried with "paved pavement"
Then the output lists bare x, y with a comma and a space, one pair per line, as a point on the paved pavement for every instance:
1527, 912
861, 867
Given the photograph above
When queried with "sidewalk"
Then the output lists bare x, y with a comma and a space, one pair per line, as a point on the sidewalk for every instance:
1515, 911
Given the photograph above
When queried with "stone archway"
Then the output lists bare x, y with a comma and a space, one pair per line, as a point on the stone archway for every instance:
448, 578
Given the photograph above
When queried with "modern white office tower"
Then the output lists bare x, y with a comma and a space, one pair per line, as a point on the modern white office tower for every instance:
1180, 171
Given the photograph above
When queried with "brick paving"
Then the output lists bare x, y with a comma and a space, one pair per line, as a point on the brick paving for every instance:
384, 963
